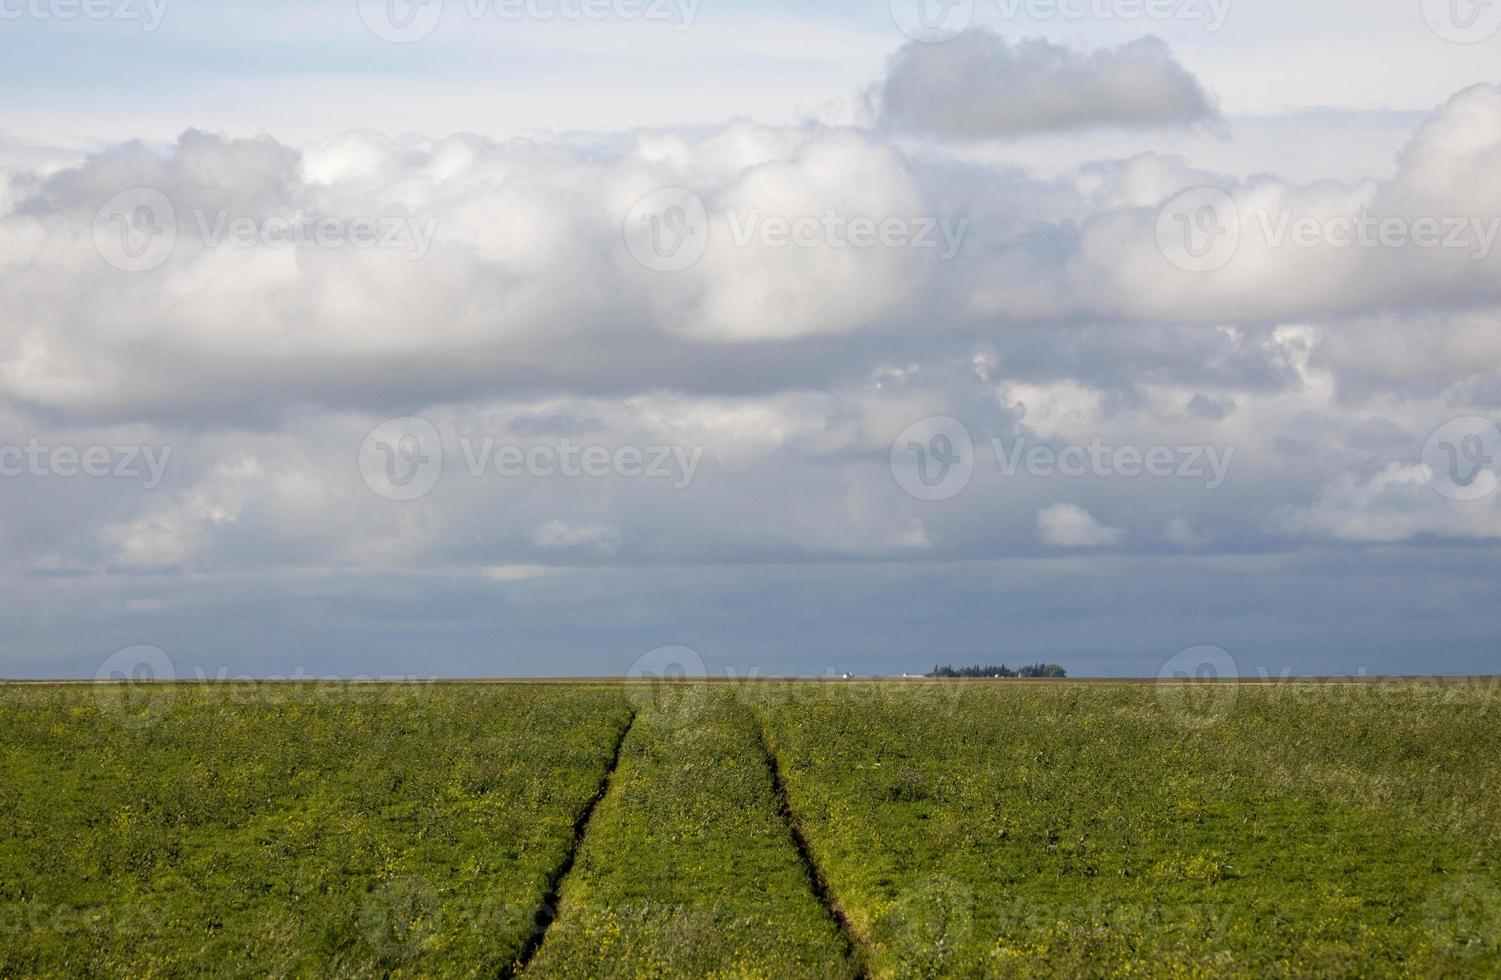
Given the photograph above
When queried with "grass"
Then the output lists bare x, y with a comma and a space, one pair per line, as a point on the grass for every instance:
961, 830
310, 831
688, 869
1078, 830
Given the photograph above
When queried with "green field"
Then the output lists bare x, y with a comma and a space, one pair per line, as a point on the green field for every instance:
751, 830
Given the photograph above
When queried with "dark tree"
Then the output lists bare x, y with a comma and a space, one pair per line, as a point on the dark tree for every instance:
1036, 670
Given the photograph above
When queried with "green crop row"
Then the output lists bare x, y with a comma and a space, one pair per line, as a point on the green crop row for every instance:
688, 869
287, 831
927, 830
1087, 831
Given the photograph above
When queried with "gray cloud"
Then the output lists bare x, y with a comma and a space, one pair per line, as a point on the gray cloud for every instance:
980, 86
1059, 321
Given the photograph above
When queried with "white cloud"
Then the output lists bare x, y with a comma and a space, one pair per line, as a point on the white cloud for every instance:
559, 535
1071, 526
1309, 250
915, 536
1180, 531
175, 533
1398, 503
527, 280
518, 573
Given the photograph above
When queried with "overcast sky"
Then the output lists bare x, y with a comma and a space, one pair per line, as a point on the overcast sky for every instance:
531, 337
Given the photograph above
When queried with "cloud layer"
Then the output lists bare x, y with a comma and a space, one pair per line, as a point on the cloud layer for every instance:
688, 413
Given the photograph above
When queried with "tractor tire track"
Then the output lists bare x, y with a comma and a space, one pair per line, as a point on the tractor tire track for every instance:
855, 945
547, 912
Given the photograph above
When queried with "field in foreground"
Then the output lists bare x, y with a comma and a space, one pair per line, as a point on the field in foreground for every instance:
758, 830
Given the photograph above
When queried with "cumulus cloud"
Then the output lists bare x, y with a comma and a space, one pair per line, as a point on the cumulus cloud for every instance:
1456, 356
1071, 526
793, 367
1264, 249
507, 269
1396, 504
980, 86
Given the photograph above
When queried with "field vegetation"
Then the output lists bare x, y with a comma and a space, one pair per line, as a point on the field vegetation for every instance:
288, 831
1076, 830
905, 829
688, 869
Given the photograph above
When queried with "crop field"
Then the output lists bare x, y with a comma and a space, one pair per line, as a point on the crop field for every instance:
957, 829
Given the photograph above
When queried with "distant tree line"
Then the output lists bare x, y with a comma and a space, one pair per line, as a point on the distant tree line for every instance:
1036, 670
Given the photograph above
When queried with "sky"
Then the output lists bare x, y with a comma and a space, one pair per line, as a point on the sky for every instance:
476, 338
